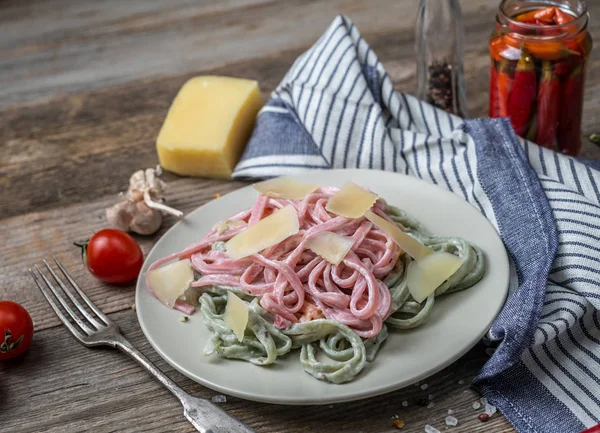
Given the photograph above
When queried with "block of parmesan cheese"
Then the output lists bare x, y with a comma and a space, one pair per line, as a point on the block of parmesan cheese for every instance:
208, 125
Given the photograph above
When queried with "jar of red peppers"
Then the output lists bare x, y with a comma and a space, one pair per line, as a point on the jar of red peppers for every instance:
539, 51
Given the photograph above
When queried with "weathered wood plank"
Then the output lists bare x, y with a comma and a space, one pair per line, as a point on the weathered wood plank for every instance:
70, 46
61, 386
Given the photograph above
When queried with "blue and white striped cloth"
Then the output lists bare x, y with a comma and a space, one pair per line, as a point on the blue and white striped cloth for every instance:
337, 108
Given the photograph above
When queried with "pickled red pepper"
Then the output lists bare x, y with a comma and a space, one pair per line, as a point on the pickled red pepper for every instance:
522, 95
504, 87
548, 106
494, 99
569, 134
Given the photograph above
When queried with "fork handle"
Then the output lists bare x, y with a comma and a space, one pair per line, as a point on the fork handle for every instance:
204, 415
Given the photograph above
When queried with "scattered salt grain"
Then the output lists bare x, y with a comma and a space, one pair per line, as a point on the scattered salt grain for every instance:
451, 421
405, 403
490, 409
424, 386
429, 429
218, 399
430, 396
133, 307
451, 411
476, 405
430, 405
483, 401
461, 382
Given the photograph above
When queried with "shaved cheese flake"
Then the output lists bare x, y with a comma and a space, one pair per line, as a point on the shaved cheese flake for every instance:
410, 245
424, 276
330, 246
351, 201
285, 187
236, 315
265, 233
171, 281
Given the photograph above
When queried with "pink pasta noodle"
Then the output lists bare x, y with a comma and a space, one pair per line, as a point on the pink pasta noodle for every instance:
290, 279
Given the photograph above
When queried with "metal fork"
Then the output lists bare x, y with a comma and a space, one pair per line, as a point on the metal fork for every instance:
99, 330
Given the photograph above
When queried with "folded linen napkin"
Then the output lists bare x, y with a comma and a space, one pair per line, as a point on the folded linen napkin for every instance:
337, 108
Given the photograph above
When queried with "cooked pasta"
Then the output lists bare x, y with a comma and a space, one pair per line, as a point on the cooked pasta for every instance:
298, 300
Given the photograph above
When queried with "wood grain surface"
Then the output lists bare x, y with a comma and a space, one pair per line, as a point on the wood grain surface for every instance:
84, 88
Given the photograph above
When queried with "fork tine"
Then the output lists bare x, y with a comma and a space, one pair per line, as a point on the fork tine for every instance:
78, 304
95, 309
64, 303
76, 332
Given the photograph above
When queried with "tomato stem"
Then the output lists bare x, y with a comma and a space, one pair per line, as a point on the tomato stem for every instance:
8, 345
83, 246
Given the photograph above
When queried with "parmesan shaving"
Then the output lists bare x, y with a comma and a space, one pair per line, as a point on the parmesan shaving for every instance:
169, 282
425, 275
265, 233
332, 247
236, 315
285, 187
410, 245
351, 201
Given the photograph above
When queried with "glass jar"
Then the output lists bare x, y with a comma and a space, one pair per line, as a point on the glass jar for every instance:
539, 51
439, 47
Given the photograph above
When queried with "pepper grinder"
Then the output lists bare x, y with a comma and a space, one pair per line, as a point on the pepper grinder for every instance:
440, 55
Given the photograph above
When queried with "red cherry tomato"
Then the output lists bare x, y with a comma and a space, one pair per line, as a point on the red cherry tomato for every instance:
16, 330
113, 256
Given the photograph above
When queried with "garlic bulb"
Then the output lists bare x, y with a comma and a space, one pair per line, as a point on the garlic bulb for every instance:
141, 211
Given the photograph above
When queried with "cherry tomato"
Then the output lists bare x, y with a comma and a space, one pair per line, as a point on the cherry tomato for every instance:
113, 256
16, 330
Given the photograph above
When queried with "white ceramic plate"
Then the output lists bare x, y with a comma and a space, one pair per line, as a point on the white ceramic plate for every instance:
458, 322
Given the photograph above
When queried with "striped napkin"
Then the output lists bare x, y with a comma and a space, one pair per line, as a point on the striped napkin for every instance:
337, 108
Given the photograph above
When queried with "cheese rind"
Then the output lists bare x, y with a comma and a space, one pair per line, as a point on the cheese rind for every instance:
236, 315
208, 125
410, 245
285, 187
424, 276
169, 282
351, 201
330, 246
265, 233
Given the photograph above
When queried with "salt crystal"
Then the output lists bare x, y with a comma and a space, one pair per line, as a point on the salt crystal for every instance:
424, 386
405, 403
451, 411
483, 401
430, 405
429, 429
490, 409
461, 382
430, 396
476, 405
451, 421
218, 399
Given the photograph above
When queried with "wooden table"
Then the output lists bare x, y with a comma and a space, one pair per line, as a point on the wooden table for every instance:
84, 88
